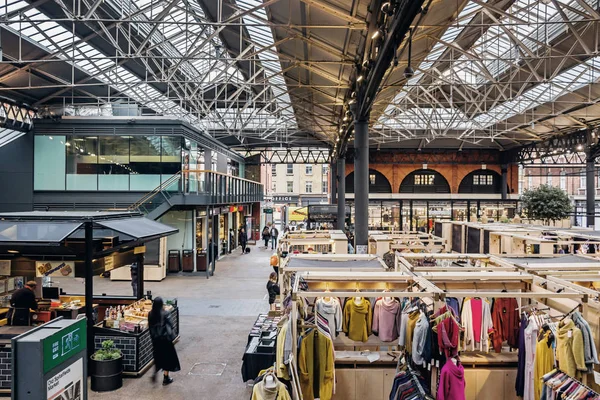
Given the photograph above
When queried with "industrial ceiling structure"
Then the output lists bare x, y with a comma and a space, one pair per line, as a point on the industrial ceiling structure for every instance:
494, 74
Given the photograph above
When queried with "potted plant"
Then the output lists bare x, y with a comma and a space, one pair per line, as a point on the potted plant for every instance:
106, 365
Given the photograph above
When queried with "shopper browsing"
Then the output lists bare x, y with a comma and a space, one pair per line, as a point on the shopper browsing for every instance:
162, 334
266, 235
274, 234
272, 289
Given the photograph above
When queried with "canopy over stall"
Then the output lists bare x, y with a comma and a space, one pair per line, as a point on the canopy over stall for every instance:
78, 236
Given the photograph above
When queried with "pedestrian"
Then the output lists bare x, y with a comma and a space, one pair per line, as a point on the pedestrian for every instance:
134, 278
266, 235
243, 238
274, 234
162, 334
272, 289
231, 240
21, 302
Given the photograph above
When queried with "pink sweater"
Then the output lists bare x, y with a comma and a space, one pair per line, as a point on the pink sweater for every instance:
452, 382
386, 319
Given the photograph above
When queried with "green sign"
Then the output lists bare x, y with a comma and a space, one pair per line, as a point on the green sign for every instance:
64, 344
268, 211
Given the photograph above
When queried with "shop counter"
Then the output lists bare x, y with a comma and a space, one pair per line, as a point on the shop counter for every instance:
136, 347
152, 273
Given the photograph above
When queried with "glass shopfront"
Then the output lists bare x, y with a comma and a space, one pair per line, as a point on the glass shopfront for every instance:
421, 214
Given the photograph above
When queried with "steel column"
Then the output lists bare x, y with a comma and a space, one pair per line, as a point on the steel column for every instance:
333, 182
140, 277
504, 169
590, 190
89, 284
361, 185
340, 178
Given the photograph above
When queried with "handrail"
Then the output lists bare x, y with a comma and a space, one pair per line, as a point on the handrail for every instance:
156, 191
219, 173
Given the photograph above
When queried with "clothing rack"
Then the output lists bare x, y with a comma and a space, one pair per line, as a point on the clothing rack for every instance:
569, 379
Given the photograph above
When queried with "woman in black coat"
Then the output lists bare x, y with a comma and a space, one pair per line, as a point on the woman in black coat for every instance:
162, 334
272, 289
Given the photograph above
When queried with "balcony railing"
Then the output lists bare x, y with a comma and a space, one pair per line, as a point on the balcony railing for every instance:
221, 188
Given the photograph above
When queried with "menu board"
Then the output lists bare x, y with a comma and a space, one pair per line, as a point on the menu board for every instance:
65, 269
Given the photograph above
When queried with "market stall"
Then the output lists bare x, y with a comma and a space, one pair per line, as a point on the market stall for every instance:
418, 242
52, 247
313, 242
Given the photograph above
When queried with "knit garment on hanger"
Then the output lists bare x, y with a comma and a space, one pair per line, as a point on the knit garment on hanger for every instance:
544, 363
331, 310
452, 382
419, 352
477, 324
386, 319
569, 349
589, 346
261, 392
505, 319
358, 320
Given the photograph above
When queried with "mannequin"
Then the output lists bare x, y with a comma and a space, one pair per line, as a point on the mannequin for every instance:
270, 381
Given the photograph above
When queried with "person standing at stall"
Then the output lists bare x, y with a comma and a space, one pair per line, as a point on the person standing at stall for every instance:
134, 278
274, 234
162, 334
21, 302
266, 235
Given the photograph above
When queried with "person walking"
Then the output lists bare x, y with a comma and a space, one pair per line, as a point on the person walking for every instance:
266, 235
134, 278
162, 334
231, 240
243, 239
274, 234
272, 290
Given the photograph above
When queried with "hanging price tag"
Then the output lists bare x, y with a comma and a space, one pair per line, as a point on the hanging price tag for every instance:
570, 334
437, 363
597, 378
428, 367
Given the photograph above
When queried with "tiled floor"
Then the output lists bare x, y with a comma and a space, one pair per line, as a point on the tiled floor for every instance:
210, 336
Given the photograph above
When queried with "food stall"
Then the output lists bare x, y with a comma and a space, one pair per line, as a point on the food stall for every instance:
55, 247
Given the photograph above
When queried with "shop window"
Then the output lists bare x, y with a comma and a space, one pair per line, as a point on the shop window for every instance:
290, 169
290, 186
325, 169
82, 163
273, 169
484, 180
325, 187
582, 181
145, 157
424, 179
372, 178
308, 187
113, 163
563, 180
309, 169
49, 165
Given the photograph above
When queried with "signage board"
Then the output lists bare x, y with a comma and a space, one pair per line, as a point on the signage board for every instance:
5, 267
64, 344
66, 384
64, 269
109, 263
139, 250
286, 199
268, 211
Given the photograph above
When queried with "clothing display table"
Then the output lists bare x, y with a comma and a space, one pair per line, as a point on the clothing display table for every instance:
260, 350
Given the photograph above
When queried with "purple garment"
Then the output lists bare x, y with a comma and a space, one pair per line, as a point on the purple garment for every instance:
520, 383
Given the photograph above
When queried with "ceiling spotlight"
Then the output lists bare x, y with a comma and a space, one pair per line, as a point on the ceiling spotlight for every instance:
409, 72
579, 147
353, 95
341, 130
366, 64
345, 117
377, 33
360, 78
532, 124
337, 139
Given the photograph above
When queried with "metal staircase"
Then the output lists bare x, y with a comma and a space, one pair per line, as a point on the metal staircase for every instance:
157, 202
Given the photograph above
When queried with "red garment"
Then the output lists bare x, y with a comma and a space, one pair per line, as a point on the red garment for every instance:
477, 313
505, 318
452, 382
447, 334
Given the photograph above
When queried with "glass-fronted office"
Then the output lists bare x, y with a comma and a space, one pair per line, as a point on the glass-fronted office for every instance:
118, 163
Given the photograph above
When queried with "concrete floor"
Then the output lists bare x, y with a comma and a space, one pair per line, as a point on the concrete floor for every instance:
215, 317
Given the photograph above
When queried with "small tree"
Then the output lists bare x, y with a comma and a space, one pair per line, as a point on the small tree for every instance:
546, 203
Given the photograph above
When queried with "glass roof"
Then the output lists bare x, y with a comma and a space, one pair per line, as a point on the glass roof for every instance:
46, 232
198, 53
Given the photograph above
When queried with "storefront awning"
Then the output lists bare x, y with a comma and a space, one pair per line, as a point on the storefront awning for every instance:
23, 232
138, 228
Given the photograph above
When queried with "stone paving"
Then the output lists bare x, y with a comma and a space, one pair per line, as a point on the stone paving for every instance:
216, 315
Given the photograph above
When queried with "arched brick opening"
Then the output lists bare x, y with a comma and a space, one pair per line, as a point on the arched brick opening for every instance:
424, 181
378, 183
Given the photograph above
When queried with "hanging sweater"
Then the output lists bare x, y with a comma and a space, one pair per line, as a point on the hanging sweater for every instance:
419, 352
281, 369
569, 349
505, 319
590, 352
452, 382
331, 310
261, 392
482, 319
316, 366
358, 320
386, 319
544, 363
410, 329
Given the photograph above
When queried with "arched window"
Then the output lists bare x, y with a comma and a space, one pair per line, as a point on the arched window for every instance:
378, 183
481, 181
424, 181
